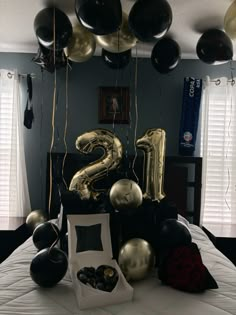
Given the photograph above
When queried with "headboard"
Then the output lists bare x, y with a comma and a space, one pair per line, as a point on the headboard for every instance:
182, 180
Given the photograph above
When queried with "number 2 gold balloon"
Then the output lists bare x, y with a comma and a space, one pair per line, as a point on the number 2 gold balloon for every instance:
83, 180
153, 144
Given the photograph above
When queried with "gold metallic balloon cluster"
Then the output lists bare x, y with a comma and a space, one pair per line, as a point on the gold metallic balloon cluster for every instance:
82, 44
119, 41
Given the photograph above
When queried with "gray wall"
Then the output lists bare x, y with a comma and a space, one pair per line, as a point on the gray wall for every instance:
159, 105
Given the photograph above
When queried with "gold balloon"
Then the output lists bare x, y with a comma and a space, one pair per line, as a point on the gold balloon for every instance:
136, 259
119, 41
153, 144
35, 218
125, 194
230, 21
81, 45
83, 180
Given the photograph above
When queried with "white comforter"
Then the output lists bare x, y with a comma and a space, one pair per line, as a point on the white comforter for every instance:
19, 295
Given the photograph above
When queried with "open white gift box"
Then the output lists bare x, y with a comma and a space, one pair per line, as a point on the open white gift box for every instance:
89, 245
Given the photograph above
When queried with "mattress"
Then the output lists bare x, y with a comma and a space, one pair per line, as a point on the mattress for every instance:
19, 295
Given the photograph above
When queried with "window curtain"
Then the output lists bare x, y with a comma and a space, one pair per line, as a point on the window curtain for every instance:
218, 150
14, 194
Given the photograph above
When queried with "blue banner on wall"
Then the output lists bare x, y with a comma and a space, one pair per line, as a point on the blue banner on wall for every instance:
190, 115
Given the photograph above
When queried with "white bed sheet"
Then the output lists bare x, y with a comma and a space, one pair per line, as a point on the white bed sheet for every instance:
19, 295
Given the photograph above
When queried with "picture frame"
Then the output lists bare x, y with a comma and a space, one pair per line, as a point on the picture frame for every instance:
114, 104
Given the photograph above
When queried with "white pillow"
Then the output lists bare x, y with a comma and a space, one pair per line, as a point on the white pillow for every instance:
183, 220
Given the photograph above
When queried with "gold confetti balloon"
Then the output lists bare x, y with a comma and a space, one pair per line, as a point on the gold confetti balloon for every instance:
125, 194
136, 259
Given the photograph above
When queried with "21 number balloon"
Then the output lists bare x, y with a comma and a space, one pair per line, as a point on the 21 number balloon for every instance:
83, 180
153, 144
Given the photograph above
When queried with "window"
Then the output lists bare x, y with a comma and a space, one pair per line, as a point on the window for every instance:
218, 149
14, 196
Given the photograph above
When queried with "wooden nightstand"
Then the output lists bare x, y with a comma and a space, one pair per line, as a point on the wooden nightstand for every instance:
223, 237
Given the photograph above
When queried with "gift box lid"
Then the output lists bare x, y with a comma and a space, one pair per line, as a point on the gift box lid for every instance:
88, 234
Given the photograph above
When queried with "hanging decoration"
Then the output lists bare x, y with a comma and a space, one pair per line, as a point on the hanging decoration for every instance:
150, 19
153, 144
119, 41
44, 24
81, 46
214, 47
165, 55
230, 21
28, 113
100, 17
83, 180
116, 60
190, 115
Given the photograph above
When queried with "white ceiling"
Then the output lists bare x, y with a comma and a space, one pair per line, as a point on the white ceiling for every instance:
190, 19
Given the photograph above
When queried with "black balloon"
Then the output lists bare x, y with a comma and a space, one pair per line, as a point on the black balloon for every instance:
101, 17
173, 234
45, 235
214, 47
44, 24
116, 60
166, 55
48, 267
46, 60
150, 19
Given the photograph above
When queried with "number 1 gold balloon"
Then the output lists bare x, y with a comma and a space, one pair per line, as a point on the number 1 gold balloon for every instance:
83, 180
153, 144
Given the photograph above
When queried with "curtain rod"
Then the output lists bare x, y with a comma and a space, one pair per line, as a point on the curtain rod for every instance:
218, 81
22, 75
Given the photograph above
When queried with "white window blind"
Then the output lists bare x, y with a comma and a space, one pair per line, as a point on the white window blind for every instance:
14, 196
218, 149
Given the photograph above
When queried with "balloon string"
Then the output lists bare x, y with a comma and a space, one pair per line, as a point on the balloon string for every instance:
40, 133
53, 115
57, 234
65, 127
136, 113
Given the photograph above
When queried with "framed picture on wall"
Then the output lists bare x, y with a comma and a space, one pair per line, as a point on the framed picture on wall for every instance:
114, 105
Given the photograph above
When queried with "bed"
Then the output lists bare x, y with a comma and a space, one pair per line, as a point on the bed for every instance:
20, 295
